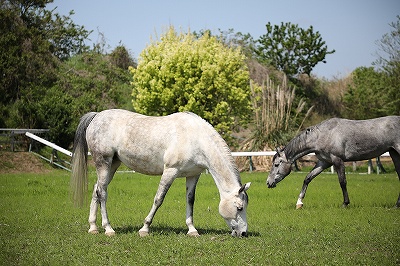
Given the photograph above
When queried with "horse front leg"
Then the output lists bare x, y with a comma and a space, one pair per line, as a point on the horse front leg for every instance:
340, 169
318, 168
191, 183
167, 178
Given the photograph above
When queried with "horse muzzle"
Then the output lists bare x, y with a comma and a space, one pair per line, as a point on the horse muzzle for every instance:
271, 184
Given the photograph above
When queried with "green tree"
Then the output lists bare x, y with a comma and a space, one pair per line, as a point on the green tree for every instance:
366, 96
49, 76
32, 42
389, 62
292, 49
183, 73
86, 82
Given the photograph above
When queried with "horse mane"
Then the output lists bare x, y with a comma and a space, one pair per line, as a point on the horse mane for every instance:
222, 145
298, 144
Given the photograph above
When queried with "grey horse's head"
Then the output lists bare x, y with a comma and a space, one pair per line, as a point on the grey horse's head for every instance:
281, 167
232, 208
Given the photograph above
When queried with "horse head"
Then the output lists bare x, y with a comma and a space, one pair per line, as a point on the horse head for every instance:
232, 208
281, 167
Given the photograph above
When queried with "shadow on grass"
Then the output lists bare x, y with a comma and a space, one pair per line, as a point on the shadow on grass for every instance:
166, 230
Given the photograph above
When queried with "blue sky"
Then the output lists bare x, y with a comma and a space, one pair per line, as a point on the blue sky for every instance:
351, 27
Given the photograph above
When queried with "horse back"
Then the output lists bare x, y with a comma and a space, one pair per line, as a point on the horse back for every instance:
146, 143
360, 139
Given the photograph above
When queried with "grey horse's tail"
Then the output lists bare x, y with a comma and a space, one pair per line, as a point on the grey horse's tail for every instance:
79, 177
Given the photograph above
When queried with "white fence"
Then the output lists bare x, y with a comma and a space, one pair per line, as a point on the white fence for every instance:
51, 145
235, 154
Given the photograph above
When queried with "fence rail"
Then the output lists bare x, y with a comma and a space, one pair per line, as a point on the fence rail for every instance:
12, 136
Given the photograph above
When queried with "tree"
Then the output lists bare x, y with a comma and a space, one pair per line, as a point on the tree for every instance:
49, 76
86, 82
389, 62
183, 73
389, 46
366, 96
292, 49
121, 58
32, 42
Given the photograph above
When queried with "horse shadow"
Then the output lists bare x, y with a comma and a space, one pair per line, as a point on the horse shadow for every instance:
161, 229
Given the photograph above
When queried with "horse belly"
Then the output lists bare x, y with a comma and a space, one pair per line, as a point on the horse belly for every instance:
366, 151
148, 164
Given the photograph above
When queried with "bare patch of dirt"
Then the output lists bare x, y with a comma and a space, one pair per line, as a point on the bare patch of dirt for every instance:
22, 162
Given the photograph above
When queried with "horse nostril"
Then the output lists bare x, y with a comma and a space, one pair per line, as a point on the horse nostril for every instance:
244, 234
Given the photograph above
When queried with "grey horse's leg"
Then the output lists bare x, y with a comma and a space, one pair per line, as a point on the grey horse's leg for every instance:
318, 168
191, 183
396, 160
105, 168
167, 178
341, 172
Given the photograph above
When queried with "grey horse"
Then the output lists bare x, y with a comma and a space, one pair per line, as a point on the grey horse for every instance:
335, 141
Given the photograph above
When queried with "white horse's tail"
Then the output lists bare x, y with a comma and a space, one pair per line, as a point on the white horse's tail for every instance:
79, 177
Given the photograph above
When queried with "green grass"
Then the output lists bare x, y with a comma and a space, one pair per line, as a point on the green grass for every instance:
40, 226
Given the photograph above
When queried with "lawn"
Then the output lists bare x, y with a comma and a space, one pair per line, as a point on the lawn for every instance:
40, 226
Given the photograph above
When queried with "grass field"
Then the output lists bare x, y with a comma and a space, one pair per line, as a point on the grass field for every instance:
40, 226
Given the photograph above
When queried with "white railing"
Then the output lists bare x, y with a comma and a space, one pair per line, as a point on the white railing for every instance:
52, 145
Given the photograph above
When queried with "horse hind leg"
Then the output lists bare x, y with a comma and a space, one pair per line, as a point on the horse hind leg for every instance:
395, 154
191, 183
341, 172
105, 172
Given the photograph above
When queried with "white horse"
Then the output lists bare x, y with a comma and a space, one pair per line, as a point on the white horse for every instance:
178, 145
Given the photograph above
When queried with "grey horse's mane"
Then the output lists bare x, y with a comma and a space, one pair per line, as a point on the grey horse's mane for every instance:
298, 143
222, 144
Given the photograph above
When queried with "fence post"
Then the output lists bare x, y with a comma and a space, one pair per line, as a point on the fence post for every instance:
251, 164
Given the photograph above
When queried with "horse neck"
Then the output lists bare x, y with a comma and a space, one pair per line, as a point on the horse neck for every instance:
297, 148
224, 172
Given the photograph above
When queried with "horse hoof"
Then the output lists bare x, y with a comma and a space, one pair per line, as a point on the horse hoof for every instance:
193, 234
93, 232
143, 233
112, 233
299, 206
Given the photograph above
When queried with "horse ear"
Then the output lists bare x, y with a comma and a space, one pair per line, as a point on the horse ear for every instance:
245, 187
279, 151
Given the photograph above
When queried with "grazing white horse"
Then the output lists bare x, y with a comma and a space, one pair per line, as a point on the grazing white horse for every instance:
178, 145
336, 141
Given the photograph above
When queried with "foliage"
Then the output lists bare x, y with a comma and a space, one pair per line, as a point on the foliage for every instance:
52, 232
367, 95
276, 121
389, 46
292, 49
32, 43
121, 58
183, 73
49, 76
389, 62
87, 82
